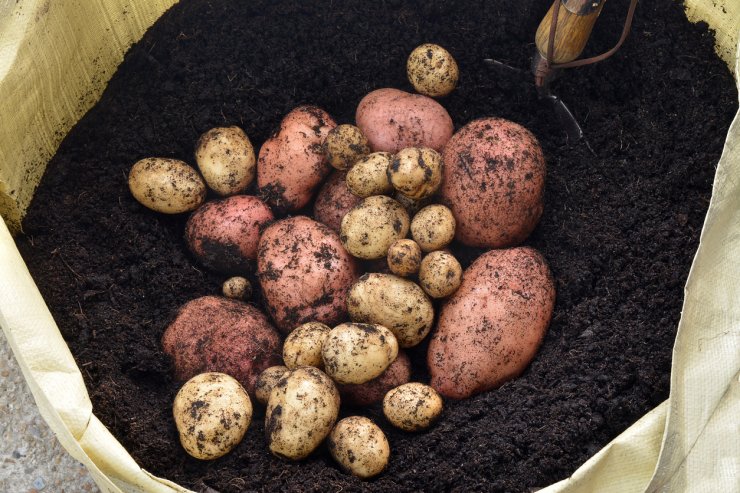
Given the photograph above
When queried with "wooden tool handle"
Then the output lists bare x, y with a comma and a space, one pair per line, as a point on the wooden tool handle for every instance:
576, 19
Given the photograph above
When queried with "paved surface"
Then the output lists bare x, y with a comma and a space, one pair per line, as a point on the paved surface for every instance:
31, 458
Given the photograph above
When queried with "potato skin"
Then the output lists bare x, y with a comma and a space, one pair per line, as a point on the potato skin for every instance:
357, 353
305, 273
433, 227
223, 234
225, 157
369, 175
440, 274
303, 345
392, 120
404, 257
371, 227
334, 200
267, 381
344, 145
416, 172
494, 178
292, 162
222, 335
165, 185
369, 393
359, 446
412, 406
491, 328
432, 70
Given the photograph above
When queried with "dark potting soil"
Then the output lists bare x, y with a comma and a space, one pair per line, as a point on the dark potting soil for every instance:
619, 230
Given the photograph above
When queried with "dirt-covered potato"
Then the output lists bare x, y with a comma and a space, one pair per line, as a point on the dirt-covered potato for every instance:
357, 353
412, 406
225, 157
433, 227
490, 329
412, 206
334, 200
368, 393
267, 381
432, 70
404, 257
440, 274
344, 145
393, 302
368, 176
238, 288
222, 335
291, 162
223, 234
305, 273
359, 446
301, 412
166, 185
372, 226
303, 345
416, 172
212, 413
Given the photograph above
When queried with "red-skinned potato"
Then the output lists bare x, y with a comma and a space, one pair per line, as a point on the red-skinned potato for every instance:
212, 334
494, 179
393, 120
305, 273
292, 162
369, 393
223, 234
334, 200
491, 328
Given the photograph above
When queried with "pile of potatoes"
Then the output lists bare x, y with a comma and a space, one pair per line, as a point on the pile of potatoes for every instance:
347, 294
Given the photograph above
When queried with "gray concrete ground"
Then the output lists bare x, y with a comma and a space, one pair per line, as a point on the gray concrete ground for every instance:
31, 458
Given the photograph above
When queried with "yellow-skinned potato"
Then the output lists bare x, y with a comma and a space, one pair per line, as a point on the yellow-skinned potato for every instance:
303, 346
440, 274
166, 185
369, 175
393, 302
433, 227
237, 287
416, 172
212, 413
301, 412
267, 381
412, 406
226, 159
344, 145
372, 226
404, 257
357, 353
432, 70
359, 446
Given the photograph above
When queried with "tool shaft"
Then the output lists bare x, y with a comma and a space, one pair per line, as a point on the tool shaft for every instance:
571, 33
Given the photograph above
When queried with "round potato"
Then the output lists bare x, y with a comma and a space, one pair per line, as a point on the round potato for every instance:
225, 157
440, 274
393, 302
432, 70
357, 353
369, 175
369, 229
166, 185
359, 446
412, 406
433, 227
368, 393
334, 200
212, 413
416, 172
301, 412
267, 381
237, 287
404, 257
344, 145
303, 346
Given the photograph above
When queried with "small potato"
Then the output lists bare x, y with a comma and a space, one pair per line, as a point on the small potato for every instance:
359, 446
334, 200
432, 70
416, 172
440, 274
301, 412
372, 226
225, 157
267, 381
433, 227
344, 145
303, 346
166, 185
412, 406
357, 353
369, 175
404, 257
369, 393
212, 413
238, 288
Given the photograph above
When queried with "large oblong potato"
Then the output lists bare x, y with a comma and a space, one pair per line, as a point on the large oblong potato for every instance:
494, 180
491, 328
393, 302
166, 185
371, 227
357, 353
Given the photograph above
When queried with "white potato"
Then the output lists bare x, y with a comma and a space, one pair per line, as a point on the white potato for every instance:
432, 70
369, 175
433, 227
372, 226
359, 446
344, 145
357, 353
303, 346
416, 172
412, 406
226, 159
440, 274
267, 381
237, 287
404, 257
166, 185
